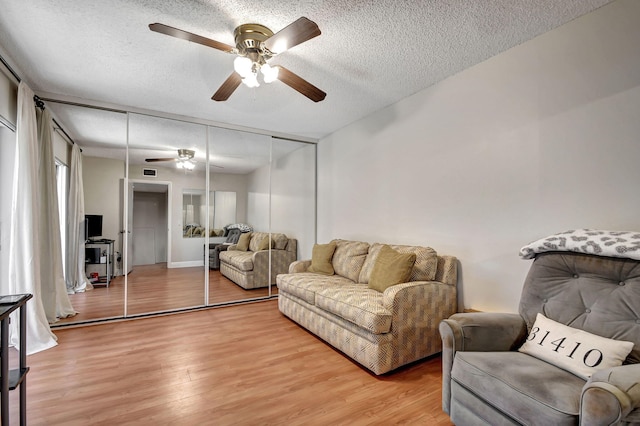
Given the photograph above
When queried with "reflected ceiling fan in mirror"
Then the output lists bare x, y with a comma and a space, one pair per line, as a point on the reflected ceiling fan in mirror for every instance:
255, 46
185, 159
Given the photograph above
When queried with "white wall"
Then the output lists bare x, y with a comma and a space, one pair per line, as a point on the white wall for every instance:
537, 140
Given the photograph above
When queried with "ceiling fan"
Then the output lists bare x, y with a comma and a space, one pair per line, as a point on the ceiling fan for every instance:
185, 159
255, 45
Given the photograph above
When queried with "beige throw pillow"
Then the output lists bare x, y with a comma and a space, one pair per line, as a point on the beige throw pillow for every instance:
321, 256
572, 349
391, 268
264, 244
243, 241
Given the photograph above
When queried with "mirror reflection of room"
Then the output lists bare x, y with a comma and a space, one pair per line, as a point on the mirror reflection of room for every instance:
160, 256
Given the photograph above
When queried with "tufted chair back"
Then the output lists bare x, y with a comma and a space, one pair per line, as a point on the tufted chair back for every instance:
600, 295
233, 235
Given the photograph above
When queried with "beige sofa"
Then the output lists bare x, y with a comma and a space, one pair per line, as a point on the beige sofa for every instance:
250, 269
381, 331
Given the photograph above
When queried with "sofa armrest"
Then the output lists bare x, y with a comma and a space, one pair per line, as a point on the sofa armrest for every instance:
280, 261
261, 266
477, 331
299, 266
610, 395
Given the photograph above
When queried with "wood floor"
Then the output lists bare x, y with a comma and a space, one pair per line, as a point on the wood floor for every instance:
155, 288
237, 365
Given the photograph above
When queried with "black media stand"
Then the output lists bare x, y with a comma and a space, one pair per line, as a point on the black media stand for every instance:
99, 258
10, 380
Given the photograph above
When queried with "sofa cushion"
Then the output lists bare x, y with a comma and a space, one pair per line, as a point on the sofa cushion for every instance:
424, 268
321, 256
573, 349
304, 285
280, 241
358, 304
243, 242
529, 390
391, 268
256, 240
265, 244
241, 260
349, 257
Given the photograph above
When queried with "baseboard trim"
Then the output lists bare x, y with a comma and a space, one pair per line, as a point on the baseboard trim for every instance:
186, 264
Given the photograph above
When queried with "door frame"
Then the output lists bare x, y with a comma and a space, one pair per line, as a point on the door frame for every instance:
168, 206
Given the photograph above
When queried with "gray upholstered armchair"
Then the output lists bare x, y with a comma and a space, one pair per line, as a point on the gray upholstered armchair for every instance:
487, 381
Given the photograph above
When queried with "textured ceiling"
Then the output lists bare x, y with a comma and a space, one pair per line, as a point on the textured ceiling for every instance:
371, 53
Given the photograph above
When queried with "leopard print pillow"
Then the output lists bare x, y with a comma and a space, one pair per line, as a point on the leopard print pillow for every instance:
624, 244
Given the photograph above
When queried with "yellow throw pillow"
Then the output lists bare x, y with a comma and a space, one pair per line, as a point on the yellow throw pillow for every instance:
321, 256
391, 268
264, 244
243, 241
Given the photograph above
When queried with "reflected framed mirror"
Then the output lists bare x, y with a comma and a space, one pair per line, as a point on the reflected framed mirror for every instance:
196, 218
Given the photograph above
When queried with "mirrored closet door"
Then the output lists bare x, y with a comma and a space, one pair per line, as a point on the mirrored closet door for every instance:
103, 173
167, 215
293, 197
239, 170
170, 193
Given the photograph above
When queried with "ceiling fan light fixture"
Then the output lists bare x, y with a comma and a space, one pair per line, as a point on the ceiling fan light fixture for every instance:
186, 165
269, 73
251, 80
186, 154
243, 66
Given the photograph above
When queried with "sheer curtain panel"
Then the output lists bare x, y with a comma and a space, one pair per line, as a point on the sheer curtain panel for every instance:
24, 252
76, 279
55, 299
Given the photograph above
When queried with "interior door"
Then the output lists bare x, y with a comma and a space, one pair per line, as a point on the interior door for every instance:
150, 222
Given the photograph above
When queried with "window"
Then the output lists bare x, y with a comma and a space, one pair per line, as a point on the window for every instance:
62, 178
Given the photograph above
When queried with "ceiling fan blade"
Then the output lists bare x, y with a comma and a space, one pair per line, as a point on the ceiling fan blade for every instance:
155, 160
184, 35
228, 87
293, 34
301, 85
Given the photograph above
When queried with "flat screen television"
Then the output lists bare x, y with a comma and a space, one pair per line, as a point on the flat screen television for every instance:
93, 226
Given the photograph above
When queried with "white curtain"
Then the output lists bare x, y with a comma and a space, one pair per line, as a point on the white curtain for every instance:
77, 281
55, 300
24, 253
